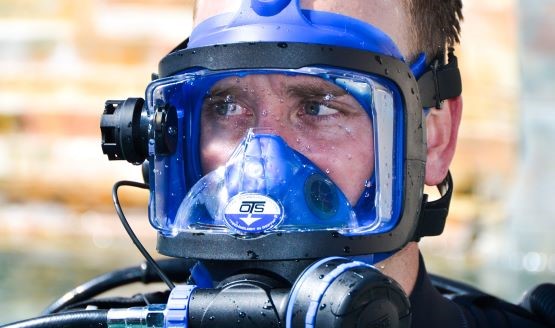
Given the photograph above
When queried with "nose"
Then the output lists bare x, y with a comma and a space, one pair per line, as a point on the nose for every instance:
274, 115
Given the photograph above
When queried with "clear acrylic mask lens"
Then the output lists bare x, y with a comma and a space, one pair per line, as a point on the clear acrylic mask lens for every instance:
306, 196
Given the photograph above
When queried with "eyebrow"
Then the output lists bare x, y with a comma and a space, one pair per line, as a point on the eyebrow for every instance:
220, 91
315, 90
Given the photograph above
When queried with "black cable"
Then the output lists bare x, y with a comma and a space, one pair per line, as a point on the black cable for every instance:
119, 302
82, 319
95, 287
176, 269
130, 231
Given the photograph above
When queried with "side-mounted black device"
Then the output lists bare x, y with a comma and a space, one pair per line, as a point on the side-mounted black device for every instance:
129, 133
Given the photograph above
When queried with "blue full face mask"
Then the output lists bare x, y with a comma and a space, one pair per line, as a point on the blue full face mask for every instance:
228, 212
325, 113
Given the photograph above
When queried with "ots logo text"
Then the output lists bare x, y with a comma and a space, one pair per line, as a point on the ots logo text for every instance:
252, 213
252, 207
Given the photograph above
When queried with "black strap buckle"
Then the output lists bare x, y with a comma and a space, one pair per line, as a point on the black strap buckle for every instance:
441, 81
434, 214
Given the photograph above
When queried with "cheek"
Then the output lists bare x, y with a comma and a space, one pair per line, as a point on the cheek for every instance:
213, 155
349, 160
214, 151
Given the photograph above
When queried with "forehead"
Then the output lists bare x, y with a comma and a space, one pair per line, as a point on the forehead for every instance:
390, 16
275, 82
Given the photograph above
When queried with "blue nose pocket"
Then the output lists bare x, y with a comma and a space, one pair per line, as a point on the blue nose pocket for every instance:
265, 165
266, 186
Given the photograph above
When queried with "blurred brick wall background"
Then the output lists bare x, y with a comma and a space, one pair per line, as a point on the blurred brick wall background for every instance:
60, 59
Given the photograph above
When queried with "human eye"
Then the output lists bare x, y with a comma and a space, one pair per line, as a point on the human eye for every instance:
224, 106
228, 109
315, 108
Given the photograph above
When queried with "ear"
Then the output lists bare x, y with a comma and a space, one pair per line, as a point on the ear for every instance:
442, 126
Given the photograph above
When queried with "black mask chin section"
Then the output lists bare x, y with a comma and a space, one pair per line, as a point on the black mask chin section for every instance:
283, 272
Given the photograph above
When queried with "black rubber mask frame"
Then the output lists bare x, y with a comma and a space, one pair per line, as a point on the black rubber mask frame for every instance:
309, 245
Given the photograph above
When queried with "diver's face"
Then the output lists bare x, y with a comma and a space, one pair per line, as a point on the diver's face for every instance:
315, 117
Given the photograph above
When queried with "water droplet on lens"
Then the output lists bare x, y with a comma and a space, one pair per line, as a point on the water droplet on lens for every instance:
347, 249
328, 171
321, 276
211, 317
322, 306
242, 314
264, 113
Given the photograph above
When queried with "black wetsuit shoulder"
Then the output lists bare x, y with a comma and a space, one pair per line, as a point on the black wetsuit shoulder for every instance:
432, 309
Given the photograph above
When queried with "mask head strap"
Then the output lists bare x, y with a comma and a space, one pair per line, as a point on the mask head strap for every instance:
441, 81
433, 214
